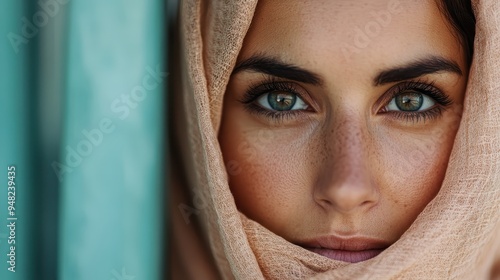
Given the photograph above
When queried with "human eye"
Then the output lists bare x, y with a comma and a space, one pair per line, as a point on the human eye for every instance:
276, 100
281, 101
416, 101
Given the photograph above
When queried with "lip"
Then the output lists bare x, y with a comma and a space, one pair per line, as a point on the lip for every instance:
346, 249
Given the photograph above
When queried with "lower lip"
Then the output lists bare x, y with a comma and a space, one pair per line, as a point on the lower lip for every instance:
346, 256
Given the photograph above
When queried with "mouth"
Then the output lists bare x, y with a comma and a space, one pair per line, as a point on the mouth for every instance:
352, 250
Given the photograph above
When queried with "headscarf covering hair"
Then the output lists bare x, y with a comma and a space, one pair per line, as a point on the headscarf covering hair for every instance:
457, 236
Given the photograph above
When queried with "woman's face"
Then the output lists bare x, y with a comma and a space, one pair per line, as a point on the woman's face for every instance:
339, 119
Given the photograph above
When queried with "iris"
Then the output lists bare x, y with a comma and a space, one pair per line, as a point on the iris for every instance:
410, 101
281, 101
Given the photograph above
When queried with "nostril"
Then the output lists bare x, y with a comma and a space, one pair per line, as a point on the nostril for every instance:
344, 197
325, 203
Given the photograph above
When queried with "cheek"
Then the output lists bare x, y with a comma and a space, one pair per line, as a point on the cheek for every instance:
274, 171
412, 167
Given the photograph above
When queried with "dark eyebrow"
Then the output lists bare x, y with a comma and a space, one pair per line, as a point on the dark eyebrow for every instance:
416, 69
275, 67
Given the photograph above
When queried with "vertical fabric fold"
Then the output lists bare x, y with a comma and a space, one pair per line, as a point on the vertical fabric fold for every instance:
111, 165
18, 235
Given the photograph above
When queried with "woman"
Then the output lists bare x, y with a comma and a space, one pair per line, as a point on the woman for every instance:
335, 125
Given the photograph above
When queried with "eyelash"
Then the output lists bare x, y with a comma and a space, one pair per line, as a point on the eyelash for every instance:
270, 85
442, 100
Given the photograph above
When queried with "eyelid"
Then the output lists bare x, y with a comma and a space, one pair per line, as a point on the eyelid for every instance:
273, 84
427, 88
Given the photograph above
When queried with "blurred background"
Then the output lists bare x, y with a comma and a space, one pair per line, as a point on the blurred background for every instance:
82, 116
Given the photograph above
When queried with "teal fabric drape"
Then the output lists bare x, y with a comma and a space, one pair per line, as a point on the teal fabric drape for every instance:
82, 113
110, 222
17, 112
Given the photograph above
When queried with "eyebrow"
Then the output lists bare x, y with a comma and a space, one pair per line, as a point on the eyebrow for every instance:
429, 65
277, 68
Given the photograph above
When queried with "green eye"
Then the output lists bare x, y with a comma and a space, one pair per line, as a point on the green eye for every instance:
281, 101
410, 101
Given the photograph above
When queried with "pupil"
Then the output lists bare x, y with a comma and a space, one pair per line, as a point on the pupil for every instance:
411, 101
281, 101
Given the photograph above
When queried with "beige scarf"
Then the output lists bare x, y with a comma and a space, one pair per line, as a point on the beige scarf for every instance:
457, 236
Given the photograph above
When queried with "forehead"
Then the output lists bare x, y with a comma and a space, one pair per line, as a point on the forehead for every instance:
317, 33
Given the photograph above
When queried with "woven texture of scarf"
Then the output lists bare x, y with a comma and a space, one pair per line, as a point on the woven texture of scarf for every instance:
457, 236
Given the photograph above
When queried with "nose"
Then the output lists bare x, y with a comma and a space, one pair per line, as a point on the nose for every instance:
345, 182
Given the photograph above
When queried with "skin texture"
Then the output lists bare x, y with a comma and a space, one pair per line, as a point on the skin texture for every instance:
343, 167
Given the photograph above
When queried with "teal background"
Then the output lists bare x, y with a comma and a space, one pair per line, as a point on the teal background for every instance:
88, 207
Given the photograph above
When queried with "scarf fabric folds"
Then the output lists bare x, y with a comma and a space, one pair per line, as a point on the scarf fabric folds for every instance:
457, 236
